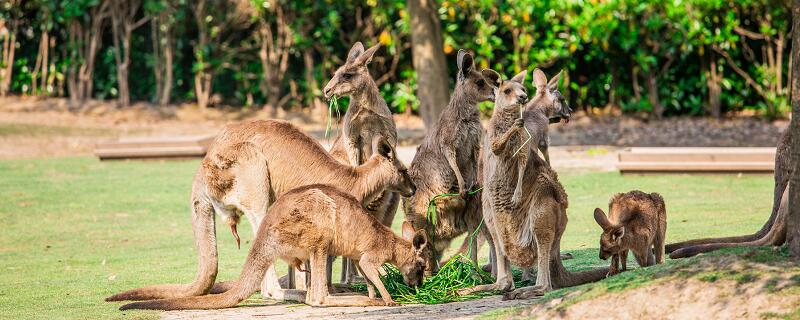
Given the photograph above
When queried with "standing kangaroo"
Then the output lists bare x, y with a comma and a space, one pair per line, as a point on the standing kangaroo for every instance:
367, 117
773, 231
308, 224
637, 221
247, 168
446, 161
537, 117
528, 233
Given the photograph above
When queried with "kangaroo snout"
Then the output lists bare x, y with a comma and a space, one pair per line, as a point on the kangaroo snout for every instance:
327, 92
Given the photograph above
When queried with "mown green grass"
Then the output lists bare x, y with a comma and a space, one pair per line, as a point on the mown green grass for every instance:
75, 230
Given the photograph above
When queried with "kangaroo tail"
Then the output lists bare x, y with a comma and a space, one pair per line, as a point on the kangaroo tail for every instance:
775, 236
563, 278
260, 258
782, 168
206, 242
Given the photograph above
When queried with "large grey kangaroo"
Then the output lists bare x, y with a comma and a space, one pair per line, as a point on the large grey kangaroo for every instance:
247, 168
527, 233
367, 117
447, 159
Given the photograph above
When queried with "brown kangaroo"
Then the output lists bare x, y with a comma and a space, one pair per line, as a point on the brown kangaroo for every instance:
528, 233
308, 224
637, 221
367, 117
767, 235
446, 161
247, 168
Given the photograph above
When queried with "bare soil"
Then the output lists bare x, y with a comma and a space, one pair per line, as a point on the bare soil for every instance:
727, 287
458, 310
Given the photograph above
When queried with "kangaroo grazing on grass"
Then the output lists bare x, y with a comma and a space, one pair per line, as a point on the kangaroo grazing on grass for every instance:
773, 231
308, 224
637, 221
446, 161
367, 117
247, 168
528, 233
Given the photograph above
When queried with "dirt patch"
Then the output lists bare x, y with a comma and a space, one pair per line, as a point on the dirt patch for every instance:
457, 310
727, 287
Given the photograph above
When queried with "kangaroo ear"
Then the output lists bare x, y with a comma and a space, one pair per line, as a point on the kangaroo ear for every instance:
539, 79
617, 234
464, 62
420, 240
601, 219
553, 84
492, 76
355, 51
366, 57
520, 77
408, 231
380, 146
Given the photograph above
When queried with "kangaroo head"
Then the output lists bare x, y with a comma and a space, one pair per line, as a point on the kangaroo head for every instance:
547, 96
511, 92
413, 269
611, 239
353, 77
476, 86
399, 180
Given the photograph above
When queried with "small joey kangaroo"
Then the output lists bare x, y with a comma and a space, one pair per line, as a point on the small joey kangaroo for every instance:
637, 221
308, 224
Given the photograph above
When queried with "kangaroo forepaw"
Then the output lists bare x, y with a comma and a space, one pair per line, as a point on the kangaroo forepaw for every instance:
517, 197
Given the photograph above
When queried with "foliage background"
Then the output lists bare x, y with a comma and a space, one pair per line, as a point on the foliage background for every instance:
673, 57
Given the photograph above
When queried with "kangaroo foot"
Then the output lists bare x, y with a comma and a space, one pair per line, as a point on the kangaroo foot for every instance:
525, 293
566, 256
486, 287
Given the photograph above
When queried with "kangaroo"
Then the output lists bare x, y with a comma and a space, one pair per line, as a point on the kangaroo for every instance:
446, 162
308, 224
367, 117
783, 168
637, 221
249, 166
529, 233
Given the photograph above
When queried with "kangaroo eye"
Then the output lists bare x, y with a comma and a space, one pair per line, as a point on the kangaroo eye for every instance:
507, 91
480, 83
347, 76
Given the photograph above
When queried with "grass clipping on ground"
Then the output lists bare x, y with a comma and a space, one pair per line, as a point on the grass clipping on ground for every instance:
458, 273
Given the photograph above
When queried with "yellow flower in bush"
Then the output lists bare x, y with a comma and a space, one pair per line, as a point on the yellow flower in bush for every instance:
385, 38
507, 19
448, 49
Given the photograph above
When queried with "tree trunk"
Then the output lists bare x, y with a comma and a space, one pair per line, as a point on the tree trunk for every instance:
202, 77
793, 221
161, 34
714, 90
652, 94
7, 65
312, 87
428, 59
166, 90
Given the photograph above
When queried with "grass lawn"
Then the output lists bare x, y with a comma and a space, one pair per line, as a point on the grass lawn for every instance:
76, 230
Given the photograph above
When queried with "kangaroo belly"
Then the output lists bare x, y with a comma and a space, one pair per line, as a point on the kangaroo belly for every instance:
510, 230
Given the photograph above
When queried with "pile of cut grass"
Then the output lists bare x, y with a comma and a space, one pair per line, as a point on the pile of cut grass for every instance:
458, 273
